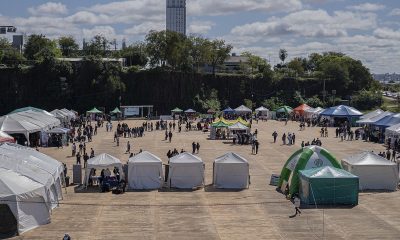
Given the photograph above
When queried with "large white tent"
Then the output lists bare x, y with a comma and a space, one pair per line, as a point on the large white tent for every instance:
262, 111
47, 120
26, 199
393, 131
239, 127
231, 171
374, 171
13, 124
102, 161
186, 171
242, 110
145, 171
371, 120
372, 114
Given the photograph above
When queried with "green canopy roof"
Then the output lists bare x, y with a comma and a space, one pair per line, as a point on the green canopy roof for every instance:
176, 110
220, 124
284, 109
94, 110
116, 111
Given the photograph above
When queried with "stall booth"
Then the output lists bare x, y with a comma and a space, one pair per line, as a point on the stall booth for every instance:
176, 112
371, 120
393, 133
262, 111
228, 112
116, 114
219, 130
93, 113
190, 113
103, 161
283, 112
372, 114
243, 111
24, 203
23, 131
145, 171
328, 186
374, 171
186, 171
341, 114
313, 113
231, 171
300, 110
55, 135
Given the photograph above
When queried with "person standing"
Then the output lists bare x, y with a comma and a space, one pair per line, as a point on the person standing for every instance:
388, 154
78, 158
275, 135
85, 159
91, 153
394, 155
198, 147
284, 139
257, 145
128, 147
253, 147
193, 147
296, 203
170, 135
73, 149
293, 139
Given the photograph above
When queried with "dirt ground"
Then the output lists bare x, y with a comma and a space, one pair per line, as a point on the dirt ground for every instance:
259, 212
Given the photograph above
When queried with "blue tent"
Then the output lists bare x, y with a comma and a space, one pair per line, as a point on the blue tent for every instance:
228, 110
388, 121
341, 111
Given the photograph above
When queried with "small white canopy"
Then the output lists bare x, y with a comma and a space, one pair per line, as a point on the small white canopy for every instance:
313, 112
145, 171
262, 111
372, 114
26, 199
231, 171
374, 171
102, 161
242, 109
393, 131
238, 126
186, 171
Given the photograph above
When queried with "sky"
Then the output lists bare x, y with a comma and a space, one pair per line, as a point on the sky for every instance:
365, 30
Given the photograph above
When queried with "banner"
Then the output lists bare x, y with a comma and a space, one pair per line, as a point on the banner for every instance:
131, 111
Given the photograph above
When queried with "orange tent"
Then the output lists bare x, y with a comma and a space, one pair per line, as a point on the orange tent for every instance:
300, 109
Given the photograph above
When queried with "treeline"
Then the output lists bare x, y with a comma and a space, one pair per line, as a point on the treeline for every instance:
167, 70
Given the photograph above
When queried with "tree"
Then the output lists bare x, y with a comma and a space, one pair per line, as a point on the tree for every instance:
98, 46
68, 46
297, 66
219, 52
283, 55
39, 45
255, 63
200, 51
135, 54
208, 99
8, 54
273, 103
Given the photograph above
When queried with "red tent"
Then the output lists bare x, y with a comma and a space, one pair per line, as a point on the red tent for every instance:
300, 109
4, 137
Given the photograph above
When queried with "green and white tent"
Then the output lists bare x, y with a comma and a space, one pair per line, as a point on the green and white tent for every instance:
328, 186
94, 111
116, 111
307, 158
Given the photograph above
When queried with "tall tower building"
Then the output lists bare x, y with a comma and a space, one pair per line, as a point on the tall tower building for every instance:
176, 16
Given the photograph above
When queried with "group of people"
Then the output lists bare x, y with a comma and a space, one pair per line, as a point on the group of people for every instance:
82, 153
290, 137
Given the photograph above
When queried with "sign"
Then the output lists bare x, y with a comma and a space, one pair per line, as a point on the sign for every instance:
131, 111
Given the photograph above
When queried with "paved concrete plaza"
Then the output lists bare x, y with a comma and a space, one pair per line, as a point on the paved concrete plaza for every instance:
256, 213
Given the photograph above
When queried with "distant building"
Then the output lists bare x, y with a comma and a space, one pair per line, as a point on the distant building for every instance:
232, 64
176, 16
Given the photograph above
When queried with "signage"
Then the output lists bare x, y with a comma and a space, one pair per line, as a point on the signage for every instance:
131, 111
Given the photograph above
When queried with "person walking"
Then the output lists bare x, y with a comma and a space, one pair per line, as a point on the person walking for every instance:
78, 158
73, 149
275, 135
198, 147
170, 135
85, 159
193, 147
296, 203
128, 147
257, 145
253, 147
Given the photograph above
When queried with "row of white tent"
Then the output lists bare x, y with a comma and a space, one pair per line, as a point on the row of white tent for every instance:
386, 119
145, 170
30, 185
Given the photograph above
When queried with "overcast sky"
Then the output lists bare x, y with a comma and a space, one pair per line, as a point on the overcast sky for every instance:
365, 30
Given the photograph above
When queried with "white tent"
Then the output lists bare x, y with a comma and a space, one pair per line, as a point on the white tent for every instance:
374, 171
374, 119
49, 121
262, 111
26, 199
313, 112
238, 127
231, 171
372, 114
13, 124
186, 171
102, 161
242, 110
145, 171
393, 131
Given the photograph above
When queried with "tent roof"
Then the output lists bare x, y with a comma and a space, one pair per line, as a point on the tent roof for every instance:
12, 183
185, 158
326, 172
228, 110
94, 110
388, 120
176, 110
15, 124
394, 128
374, 119
59, 130
145, 157
230, 158
372, 114
314, 110
285, 109
341, 111
242, 108
190, 111
261, 109
116, 110
24, 109
367, 158
302, 107
104, 160
47, 120
238, 126
219, 124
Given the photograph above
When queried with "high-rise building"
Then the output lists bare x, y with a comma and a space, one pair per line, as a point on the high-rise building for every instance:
176, 16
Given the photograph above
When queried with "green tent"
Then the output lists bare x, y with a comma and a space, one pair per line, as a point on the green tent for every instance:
219, 124
116, 111
328, 186
306, 158
94, 110
176, 110
284, 109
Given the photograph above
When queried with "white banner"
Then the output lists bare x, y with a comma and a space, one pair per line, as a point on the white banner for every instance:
131, 111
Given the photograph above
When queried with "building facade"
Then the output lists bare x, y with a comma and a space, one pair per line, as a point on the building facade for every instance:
176, 16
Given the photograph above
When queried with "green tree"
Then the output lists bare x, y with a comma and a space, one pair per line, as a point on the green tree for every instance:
273, 103
37, 46
314, 102
98, 46
256, 63
200, 51
68, 46
208, 99
219, 52
135, 54
9, 55
296, 65
283, 55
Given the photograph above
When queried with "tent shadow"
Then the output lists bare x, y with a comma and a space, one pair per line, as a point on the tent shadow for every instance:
141, 190
306, 206
370, 191
166, 189
89, 189
211, 188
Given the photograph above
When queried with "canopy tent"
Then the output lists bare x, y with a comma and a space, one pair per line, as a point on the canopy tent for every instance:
262, 111
306, 158
71, 113
63, 117
388, 121
219, 124
145, 171
94, 111
26, 199
328, 185
284, 111
13, 124
374, 119
190, 111
242, 110
231, 171
46, 120
186, 171
372, 114
238, 127
374, 171
393, 131
341, 111
313, 112
116, 111
228, 111
301, 109
102, 161
176, 110
24, 109
4, 137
